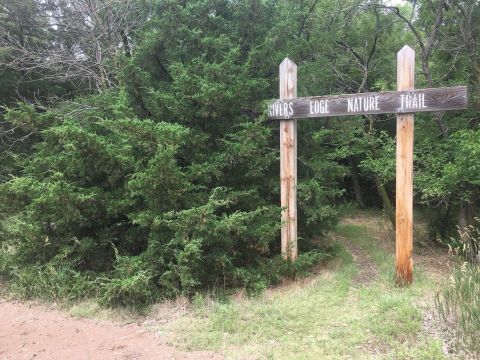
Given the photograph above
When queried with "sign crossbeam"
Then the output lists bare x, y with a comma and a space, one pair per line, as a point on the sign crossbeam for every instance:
404, 102
418, 100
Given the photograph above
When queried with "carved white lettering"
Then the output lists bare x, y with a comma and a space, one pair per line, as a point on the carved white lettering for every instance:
422, 101
362, 103
412, 102
349, 105
281, 109
318, 106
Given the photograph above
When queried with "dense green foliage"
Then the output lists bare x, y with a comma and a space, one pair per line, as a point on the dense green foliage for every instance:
140, 165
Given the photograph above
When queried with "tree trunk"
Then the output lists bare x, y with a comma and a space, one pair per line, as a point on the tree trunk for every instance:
472, 207
357, 189
466, 209
382, 191
387, 204
462, 218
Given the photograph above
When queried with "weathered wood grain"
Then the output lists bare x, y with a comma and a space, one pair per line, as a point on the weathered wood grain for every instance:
288, 163
404, 180
405, 101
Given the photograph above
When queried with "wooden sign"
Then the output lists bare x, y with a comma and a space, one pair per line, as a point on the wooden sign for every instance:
404, 102
438, 99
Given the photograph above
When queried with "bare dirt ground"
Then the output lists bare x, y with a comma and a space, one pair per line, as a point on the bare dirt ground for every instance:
36, 332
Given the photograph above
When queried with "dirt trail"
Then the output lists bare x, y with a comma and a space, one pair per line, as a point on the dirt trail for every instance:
35, 332
433, 259
367, 270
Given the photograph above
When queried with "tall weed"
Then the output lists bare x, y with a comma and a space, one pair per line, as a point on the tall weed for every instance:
458, 303
49, 282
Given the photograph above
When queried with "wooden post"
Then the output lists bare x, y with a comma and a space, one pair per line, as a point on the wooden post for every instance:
288, 163
404, 183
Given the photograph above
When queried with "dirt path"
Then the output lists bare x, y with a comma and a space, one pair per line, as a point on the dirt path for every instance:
433, 259
35, 332
367, 270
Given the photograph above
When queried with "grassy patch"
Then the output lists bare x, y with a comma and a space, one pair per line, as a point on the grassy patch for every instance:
91, 309
327, 317
458, 305
50, 283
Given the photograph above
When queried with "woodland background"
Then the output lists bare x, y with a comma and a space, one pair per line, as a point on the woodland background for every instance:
136, 161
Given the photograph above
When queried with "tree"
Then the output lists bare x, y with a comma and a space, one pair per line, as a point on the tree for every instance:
69, 40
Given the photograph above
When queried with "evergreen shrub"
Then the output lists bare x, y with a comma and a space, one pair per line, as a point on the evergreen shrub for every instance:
131, 210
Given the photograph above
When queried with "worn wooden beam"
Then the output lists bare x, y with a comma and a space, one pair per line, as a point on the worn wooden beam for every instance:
404, 180
288, 163
406, 101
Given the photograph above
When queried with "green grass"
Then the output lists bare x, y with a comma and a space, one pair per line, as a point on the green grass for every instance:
327, 317
458, 304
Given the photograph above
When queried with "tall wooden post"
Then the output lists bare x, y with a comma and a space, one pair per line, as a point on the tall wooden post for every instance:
404, 183
288, 163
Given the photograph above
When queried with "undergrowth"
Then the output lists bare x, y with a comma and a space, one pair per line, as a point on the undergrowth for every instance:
458, 303
131, 286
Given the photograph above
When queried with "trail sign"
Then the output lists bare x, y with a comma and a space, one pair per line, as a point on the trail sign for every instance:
437, 99
404, 102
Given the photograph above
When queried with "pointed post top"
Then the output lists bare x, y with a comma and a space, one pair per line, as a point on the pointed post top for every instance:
287, 61
405, 51
288, 79
406, 68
